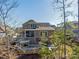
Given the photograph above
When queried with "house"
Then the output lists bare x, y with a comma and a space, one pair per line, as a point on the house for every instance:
32, 33
35, 31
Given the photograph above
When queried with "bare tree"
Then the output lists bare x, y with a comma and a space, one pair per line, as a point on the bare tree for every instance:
5, 7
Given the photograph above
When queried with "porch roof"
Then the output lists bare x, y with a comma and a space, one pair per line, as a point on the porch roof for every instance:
42, 28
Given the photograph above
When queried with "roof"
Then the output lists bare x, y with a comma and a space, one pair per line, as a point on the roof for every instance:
45, 28
34, 22
76, 31
47, 24
42, 28
30, 22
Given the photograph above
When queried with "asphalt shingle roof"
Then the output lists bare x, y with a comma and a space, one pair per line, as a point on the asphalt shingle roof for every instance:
42, 28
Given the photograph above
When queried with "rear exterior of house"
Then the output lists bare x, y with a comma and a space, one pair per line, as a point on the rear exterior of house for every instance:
33, 32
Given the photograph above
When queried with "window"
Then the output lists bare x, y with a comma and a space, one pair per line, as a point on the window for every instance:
33, 26
29, 33
44, 34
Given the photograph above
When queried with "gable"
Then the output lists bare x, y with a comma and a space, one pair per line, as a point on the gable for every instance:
30, 22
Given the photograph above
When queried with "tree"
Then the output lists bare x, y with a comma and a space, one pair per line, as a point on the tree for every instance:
5, 7
44, 50
65, 14
58, 41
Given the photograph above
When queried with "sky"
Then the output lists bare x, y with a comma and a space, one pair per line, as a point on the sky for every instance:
40, 11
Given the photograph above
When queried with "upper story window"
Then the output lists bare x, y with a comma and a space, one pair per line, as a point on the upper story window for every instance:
29, 33
33, 26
